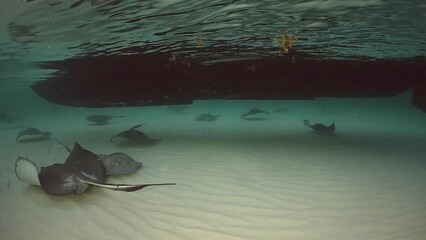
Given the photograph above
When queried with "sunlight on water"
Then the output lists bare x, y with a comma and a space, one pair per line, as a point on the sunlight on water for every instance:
53, 30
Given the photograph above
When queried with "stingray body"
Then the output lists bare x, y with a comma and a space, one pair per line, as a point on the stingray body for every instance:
135, 136
32, 132
253, 111
207, 117
81, 170
101, 119
321, 128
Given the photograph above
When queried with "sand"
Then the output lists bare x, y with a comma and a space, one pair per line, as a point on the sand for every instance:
268, 178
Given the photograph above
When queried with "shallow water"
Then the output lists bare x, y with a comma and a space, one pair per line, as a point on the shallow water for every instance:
264, 177
236, 179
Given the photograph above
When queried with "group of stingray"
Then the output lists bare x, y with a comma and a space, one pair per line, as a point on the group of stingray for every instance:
252, 113
82, 169
317, 127
139, 137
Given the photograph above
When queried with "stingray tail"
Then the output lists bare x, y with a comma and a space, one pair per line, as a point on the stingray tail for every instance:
61, 144
124, 187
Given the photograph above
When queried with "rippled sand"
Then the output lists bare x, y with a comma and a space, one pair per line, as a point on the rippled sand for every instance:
265, 179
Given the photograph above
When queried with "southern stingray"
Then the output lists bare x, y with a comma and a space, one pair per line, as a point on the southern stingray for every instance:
321, 128
117, 163
32, 132
135, 136
253, 111
81, 170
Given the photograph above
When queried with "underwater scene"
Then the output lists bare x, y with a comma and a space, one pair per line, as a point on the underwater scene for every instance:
213, 120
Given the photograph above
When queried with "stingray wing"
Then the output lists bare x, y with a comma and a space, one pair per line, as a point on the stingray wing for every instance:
87, 163
59, 180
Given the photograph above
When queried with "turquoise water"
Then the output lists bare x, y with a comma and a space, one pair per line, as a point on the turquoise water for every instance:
264, 177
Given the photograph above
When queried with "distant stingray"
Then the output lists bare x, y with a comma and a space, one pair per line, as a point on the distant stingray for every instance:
252, 112
101, 119
117, 163
81, 170
321, 128
32, 132
207, 117
136, 136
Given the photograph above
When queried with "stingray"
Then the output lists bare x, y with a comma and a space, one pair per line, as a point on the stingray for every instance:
253, 111
117, 163
321, 128
101, 119
135, 136
207, 117
81, 170
32, 132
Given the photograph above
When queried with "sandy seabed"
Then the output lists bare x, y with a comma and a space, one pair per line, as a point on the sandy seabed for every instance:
268, 178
